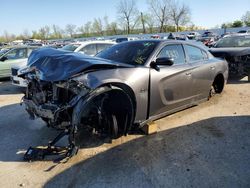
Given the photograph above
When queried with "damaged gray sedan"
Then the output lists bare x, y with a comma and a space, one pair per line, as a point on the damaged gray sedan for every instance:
125, 86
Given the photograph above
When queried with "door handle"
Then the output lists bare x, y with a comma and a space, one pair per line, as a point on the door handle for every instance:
188, 73
212, 67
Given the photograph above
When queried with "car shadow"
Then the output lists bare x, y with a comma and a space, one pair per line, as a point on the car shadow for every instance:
18, 133
210, 153
238, 80
214, 152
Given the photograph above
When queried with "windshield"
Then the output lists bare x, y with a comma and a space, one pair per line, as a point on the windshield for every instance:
71, 47
133, 53
242, 31
239, 41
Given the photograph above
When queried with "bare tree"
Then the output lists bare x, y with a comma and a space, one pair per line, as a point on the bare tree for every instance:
106, 22
26, 34
113, 28
81, 29
97, 26
42, 33
57, 32
35, 35
70, 29
6, 36
143, 23
246, 18
128, 14
179, 13
149, 22
159, 8
87, 28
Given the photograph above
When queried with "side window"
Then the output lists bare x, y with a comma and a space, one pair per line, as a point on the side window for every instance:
29, 51
17, 54
90, 49
194, 54
173, 51
205, 55
101, 47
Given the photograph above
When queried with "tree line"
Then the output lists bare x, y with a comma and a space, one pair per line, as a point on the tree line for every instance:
245, 21
161, 16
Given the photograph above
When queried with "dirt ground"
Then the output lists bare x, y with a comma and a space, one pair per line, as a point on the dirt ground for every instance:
204, 146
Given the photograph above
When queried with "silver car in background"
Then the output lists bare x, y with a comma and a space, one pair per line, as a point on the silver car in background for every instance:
88, 47
125, 86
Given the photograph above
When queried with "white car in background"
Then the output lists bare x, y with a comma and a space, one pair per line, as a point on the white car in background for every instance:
193, 35
90, 48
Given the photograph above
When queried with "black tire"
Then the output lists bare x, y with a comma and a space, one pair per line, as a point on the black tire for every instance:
218, 84
113, 127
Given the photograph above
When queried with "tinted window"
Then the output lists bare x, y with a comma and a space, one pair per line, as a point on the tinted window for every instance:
175, 52
205, 55
90, 49
101, 47
121, 40
71, 47
134, 53
238, 41
17, 54
29, 51
194, 53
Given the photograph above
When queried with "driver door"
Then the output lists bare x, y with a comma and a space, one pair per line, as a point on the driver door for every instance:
170, 85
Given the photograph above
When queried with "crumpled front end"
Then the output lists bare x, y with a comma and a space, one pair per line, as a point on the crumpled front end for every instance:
239, 65
238, 60
52, 101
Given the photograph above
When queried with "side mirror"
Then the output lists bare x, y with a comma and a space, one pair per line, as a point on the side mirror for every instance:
164, 61
3, 58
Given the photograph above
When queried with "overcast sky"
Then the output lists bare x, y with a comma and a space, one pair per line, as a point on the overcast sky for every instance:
18, 15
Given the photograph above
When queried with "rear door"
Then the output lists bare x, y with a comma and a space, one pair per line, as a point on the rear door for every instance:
170, 85
201, 71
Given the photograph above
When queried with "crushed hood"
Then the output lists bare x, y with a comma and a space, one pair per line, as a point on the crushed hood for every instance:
228, 52
58, 65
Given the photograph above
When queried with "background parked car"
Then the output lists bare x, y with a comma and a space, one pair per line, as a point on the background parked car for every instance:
193, 35
89, 47
236, 50
175, 36
14, 56
244, 31
124, 39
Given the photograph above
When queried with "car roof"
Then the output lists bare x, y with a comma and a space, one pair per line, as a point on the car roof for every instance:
167, 41
237, 35
94, 42
17, 47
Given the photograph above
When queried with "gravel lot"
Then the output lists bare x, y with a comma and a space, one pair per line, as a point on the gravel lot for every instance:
204, 146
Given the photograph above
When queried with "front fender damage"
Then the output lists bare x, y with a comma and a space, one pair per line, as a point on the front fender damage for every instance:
73, 108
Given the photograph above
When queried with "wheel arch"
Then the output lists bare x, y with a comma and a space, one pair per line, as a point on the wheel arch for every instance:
218, 82
113, 90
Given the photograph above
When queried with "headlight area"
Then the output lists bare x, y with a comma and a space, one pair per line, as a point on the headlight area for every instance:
53, 102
